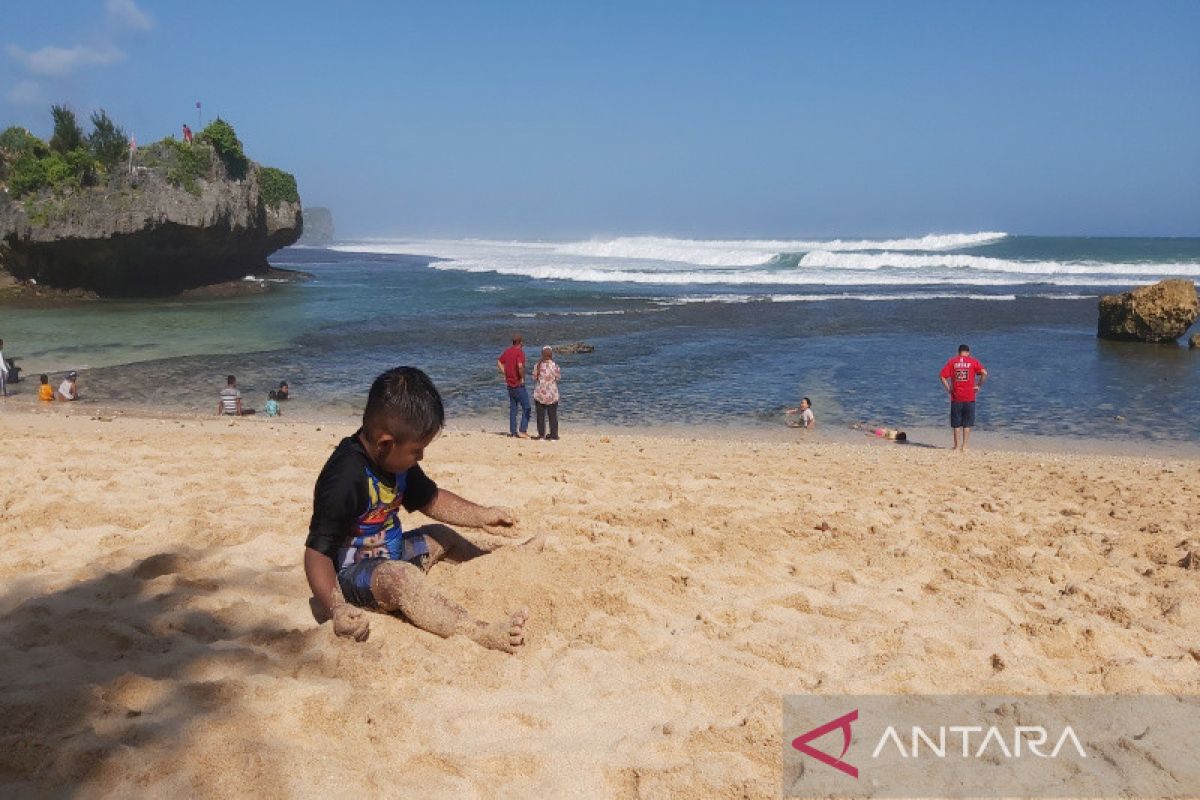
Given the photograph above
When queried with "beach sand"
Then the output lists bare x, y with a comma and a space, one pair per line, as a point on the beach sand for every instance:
156, 635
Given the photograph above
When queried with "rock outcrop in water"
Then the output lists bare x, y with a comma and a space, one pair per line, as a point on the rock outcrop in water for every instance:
1159, 313
318, 226
185, 217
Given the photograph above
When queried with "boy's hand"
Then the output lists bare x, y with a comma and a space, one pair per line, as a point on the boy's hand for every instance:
499, 521
350, 622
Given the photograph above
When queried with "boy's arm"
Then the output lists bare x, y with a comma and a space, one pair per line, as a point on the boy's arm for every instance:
500, 366
348, 620
451, 509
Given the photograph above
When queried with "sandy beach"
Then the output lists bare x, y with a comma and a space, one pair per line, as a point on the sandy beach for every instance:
157, 638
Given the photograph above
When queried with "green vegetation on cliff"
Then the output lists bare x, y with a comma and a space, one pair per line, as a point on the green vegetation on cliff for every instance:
73, 159
276, 186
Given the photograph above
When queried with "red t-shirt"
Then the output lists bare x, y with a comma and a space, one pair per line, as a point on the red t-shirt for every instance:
961, 370
510, 358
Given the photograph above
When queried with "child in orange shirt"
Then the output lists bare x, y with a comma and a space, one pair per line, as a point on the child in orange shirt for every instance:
45, 393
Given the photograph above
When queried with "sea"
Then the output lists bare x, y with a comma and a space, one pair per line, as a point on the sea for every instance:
687, 332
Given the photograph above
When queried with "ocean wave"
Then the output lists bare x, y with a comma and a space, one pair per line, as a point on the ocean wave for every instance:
737, 299
755, 252
824, 259
697, 252
750, 277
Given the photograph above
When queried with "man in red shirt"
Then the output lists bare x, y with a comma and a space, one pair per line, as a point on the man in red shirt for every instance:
958, 376
512, 366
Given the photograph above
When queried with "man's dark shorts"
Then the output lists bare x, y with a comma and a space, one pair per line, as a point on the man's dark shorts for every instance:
962, 414
355, 580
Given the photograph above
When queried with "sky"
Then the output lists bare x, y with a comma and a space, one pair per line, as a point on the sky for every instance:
696, 119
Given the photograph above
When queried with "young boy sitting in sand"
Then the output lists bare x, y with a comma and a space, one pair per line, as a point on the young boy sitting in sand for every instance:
358, 556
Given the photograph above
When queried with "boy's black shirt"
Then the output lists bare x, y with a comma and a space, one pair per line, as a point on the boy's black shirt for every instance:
341, 495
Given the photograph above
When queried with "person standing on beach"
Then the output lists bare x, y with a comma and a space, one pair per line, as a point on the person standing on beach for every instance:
511, 364
958, 378
545, 394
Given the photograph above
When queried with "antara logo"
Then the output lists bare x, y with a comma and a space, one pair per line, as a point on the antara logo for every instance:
843, 722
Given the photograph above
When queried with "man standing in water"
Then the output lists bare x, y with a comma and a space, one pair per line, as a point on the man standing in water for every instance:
958, 377
511, 364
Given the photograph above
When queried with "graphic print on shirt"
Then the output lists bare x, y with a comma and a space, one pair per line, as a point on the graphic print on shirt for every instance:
379, 532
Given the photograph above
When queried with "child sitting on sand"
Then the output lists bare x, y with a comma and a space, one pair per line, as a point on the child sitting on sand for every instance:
45, 390
359, 557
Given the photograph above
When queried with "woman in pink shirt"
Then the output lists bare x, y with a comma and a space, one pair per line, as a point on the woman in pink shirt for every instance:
545, 396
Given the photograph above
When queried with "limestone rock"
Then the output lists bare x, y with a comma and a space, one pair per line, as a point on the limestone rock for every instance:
573, 348
318, 226
146, 234
1194, 342
1159, 313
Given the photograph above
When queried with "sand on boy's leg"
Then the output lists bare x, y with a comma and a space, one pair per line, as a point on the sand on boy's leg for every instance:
401, 586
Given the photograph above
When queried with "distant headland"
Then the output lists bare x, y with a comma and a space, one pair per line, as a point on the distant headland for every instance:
95, 214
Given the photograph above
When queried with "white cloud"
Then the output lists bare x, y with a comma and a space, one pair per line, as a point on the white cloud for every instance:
25, 93
126, 12
59, 61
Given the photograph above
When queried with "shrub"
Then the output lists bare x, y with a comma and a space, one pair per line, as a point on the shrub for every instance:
276, 186
28, 174
67, 133
108, 141
223, 138
190, 163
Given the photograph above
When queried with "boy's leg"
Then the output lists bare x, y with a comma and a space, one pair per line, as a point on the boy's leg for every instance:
553, 409
400, 586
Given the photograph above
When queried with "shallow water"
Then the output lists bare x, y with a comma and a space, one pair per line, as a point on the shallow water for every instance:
674, 353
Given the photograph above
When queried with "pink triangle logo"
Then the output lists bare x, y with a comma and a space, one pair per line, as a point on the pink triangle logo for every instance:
843, 722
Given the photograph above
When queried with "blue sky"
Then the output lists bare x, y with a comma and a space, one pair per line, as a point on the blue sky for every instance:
566, 119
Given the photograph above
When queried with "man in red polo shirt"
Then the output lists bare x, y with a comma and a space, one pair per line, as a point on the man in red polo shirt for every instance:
512, 366
958, 376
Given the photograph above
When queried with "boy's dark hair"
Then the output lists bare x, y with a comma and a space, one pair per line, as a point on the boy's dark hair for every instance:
282, 384
230, 380
808, 401
44, 378
518, 339
404, 402
963, 348
272, 396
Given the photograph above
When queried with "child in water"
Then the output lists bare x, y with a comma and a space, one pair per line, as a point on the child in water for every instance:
272, 405
45, 390
807, 418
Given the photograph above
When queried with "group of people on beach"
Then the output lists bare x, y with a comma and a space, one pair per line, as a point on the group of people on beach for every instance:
230, 402
962, 377
546, 374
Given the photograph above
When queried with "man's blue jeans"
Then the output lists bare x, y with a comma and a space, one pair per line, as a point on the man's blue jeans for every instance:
518, 395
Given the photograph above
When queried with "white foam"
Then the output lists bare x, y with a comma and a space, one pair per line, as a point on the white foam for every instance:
752, 252
816, 298
753, 277
874, 261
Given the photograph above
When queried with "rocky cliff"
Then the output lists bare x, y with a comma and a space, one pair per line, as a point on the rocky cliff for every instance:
179, 220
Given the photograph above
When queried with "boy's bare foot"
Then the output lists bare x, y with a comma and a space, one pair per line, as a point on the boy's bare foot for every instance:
522, 435
506, 635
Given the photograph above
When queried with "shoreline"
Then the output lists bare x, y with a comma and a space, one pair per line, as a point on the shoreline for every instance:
756, 433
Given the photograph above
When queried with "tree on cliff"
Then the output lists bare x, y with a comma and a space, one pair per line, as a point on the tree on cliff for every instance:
108, 142
223, 138
67, 133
